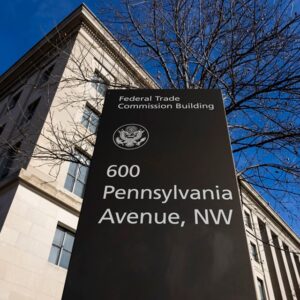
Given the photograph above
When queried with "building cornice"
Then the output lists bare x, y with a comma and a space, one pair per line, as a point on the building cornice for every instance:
63, 32
43, 185
117, 51
268, 210
36, 181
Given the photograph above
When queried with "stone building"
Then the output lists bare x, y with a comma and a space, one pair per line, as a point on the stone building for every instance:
50, 106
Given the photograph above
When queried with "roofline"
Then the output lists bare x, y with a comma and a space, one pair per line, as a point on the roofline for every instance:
81, 13
38, 44
269, 210
85, 7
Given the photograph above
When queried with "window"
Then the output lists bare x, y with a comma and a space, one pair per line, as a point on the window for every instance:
2, 128
77, 174
261, 290
8, 159
254, 252
46, 75
99, 83
90, 119
61, 249
248, 220
13, 101
30, 111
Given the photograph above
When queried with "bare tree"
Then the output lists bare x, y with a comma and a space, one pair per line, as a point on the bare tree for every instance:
250, 49
68, 79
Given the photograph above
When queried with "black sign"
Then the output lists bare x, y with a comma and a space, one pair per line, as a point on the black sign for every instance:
161, 217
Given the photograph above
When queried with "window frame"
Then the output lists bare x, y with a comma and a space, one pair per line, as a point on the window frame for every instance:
261, 289
73, 173
12, 102
95, 82
86, 122
248, 219
254, 252
44, 78
56, 257
28, 117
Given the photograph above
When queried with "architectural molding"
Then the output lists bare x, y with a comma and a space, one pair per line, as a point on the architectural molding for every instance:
46, 187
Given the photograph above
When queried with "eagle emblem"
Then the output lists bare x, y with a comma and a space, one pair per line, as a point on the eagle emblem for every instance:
130, 136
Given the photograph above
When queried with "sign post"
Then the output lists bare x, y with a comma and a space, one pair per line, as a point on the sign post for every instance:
161, 216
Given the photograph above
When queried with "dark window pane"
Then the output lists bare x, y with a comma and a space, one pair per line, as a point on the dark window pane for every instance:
75, 182
254, 253
85, 122
94, 123
2, 128
61, 249
58, 237
87, 112
8, 160
12, 103
29, 113
101, 89
92, 128
54, 254
248, 220
31, 109
86, 117
46, 75
79, 188
94, 119
68, 242
65, 259
69, 184
261, 290
90, 120
73, 168
99, 84
82, 173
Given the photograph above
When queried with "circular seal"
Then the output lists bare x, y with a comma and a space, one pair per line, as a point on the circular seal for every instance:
130, 136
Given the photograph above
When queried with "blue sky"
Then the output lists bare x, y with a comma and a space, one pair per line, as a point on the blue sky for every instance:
23, 23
